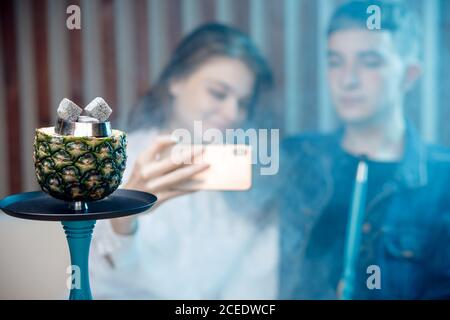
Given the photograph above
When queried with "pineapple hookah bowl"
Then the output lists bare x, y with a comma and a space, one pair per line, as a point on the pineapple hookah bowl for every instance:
79, 166
79, 162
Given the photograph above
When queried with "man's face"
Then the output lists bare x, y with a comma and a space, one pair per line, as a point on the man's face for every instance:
366, 74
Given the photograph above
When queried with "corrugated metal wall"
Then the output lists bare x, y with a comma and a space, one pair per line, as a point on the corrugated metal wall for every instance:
123, 44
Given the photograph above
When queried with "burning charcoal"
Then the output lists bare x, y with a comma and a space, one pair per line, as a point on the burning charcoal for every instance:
98, 109
68, 110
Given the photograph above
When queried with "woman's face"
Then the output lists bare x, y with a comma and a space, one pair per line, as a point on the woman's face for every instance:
217, 93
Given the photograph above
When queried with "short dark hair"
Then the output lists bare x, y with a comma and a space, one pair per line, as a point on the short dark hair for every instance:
396, 17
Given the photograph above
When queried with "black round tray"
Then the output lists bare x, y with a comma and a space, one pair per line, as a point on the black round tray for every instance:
38, 205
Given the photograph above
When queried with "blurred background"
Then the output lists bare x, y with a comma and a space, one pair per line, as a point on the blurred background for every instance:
120, 50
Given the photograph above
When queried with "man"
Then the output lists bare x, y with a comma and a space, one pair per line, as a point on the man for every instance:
405, 235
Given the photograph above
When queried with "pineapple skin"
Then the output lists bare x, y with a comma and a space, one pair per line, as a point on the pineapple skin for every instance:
79, 168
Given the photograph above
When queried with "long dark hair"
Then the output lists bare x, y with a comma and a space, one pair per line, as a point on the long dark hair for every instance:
207, 41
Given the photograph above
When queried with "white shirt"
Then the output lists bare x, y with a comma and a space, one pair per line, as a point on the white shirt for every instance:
191, 247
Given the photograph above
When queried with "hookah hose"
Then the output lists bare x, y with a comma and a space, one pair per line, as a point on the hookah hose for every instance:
346, 285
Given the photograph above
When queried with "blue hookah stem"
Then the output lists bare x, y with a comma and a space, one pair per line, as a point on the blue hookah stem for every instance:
79, 235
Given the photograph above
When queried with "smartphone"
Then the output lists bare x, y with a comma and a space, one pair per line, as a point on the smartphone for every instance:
230, 167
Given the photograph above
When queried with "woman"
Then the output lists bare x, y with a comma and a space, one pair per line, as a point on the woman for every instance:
196, 245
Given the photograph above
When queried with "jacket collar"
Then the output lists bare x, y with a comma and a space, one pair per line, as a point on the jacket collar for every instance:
412, 171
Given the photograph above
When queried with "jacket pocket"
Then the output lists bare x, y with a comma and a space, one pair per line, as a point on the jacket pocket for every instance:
405, 262
409, 243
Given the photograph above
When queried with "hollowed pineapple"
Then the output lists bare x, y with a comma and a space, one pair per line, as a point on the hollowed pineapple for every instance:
79, 168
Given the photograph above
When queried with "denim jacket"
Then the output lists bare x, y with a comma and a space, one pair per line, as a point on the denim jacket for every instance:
408, 233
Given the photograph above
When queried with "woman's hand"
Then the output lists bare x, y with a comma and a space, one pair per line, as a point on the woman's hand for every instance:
159, 177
